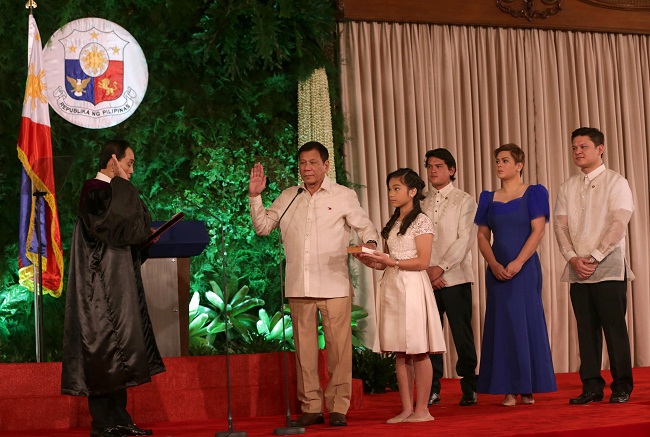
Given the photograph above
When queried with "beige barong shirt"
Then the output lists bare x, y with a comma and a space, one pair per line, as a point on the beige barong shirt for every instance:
315, 233
590, 219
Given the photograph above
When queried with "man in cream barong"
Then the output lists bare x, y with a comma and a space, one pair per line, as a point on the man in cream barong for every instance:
452, 212
316, 220
592, 213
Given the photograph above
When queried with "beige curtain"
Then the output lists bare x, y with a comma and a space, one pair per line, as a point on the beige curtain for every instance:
408, 88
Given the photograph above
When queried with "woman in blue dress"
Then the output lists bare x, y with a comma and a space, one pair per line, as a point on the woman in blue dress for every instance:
515, 355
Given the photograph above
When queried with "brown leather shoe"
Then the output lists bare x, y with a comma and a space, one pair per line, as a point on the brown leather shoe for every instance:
307, 419
338, 419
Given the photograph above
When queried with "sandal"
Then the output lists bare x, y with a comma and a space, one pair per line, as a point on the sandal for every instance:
527, 399
509, 401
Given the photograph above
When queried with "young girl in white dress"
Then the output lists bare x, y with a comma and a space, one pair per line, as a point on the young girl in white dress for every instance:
408, 323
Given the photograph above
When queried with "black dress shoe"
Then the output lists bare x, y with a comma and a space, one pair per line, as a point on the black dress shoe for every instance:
307, 419
132, 429
109, 431
468, 399
619, 397
434, 399
586, 398
338, 419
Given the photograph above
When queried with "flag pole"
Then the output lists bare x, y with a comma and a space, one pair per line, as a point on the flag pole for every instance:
38, 275
38, 267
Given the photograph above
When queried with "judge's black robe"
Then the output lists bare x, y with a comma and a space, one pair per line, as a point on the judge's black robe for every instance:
108, 338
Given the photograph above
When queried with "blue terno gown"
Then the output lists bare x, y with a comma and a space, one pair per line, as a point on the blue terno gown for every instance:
515, 354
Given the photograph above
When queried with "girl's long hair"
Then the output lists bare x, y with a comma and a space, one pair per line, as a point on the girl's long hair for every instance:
412, 180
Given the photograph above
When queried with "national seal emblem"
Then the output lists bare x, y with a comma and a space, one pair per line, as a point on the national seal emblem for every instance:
96, 73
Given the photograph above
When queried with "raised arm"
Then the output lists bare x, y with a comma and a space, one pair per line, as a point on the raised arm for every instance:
257, 182
263, 221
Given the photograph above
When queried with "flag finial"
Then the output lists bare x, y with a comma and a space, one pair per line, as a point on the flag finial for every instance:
31, 4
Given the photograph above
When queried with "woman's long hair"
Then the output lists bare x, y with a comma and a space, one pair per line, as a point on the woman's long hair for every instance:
412, 180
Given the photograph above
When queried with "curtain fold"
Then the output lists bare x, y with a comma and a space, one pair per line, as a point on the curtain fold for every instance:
409, 88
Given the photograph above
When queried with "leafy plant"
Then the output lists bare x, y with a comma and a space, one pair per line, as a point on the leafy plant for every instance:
12, 300
16, 325
254, 344
17, 339
202, 350
209, 319
204, 326
358, 313
236, 305
376, 370
271, 328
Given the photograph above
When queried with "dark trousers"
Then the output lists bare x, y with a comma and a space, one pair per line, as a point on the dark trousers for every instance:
456, 301
601, 307
109, 409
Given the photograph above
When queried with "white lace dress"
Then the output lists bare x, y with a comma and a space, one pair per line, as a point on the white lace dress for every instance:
407, 314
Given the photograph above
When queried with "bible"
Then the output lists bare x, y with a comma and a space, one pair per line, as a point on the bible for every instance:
359, 249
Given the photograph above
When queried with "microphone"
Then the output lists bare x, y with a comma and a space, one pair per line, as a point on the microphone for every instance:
231, 429
288, 429
171, 190
300, 190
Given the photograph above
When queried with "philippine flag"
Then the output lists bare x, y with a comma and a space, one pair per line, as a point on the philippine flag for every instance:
35, 154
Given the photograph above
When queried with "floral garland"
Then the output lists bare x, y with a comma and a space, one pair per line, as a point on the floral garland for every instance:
315, 115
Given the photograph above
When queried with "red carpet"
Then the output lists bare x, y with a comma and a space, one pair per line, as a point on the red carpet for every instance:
550, 416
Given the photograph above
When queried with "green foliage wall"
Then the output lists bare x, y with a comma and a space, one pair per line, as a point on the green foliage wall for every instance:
222, 87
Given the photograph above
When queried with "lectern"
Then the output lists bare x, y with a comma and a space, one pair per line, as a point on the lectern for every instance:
166, 278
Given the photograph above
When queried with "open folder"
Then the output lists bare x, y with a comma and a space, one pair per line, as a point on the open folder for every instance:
162, 229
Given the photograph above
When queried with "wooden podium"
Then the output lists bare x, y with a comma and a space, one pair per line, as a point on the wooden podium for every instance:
166, 278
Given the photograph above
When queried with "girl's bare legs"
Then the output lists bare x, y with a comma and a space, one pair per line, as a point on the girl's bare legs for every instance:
423, 377
411, 378
404, 371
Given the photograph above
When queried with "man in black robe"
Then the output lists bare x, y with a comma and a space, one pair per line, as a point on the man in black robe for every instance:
109, 343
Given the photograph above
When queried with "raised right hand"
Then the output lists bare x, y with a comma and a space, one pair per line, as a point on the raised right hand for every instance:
117, 168
257, 182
